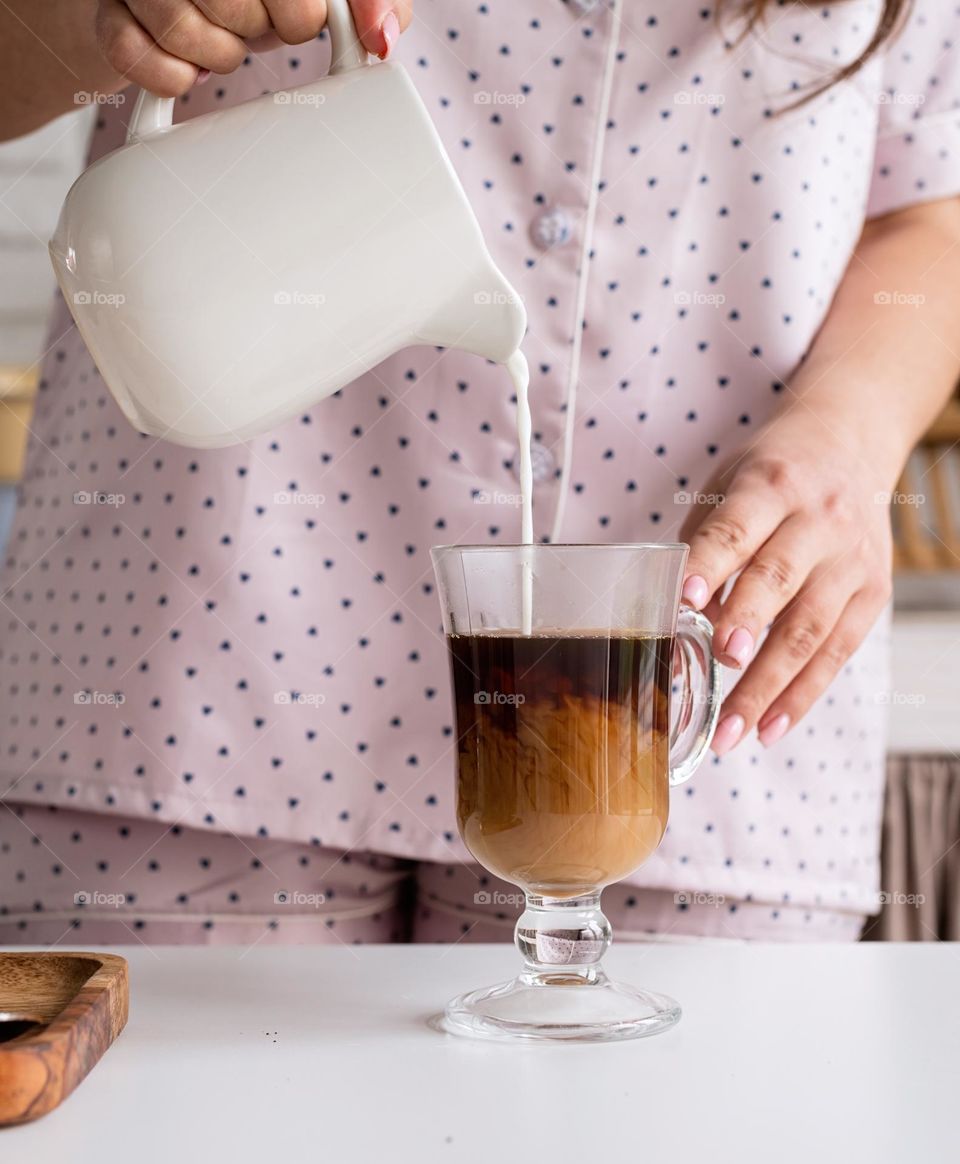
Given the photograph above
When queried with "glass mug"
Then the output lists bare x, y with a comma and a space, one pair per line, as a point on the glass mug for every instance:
569, 738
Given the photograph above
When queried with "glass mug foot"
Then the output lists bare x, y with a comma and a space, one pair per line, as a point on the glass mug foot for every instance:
563, 992
596, 1012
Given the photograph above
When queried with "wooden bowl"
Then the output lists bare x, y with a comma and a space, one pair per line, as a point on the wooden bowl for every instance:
59, 1012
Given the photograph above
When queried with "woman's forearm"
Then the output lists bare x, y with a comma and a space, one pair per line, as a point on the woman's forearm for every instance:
803, 524
888, 354
49, 62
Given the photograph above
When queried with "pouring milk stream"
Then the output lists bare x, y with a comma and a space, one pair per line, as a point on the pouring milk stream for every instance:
307, 283
520, 372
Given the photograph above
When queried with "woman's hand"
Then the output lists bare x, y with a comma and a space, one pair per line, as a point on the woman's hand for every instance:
165, 45
804, 513
804, 517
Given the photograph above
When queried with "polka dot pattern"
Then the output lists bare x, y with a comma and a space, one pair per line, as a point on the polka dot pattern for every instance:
114, 880
248, 639
118, 880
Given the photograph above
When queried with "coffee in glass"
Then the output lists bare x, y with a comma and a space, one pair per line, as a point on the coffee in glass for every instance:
563, 745
566, 662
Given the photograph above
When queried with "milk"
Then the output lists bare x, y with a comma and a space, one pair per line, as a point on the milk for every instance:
520, 374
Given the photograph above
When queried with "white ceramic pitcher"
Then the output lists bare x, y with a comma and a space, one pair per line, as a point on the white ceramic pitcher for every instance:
229, 272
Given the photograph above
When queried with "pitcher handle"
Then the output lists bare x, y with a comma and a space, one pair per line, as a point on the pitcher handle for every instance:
347, 52
694, 720
153, 114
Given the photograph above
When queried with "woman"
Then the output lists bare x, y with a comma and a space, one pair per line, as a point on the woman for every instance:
736, 234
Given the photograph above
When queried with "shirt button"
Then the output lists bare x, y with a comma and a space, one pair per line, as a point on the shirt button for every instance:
542, 462
551, 229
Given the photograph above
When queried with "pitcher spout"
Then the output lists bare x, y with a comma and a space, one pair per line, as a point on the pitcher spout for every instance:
483, 315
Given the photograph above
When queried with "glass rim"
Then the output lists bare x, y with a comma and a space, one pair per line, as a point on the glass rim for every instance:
562, 546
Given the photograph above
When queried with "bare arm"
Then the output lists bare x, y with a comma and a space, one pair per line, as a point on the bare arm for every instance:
48, 54
806, 507
888, 355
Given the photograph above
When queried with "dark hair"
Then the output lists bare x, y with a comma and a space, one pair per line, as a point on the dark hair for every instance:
754, 12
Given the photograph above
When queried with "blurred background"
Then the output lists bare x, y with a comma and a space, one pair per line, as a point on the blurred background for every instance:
35, 174
921, 844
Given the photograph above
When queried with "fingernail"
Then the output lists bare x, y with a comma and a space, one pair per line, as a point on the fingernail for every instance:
728, 733
390, 31
695, 591
203, 75
774, 730
739, 648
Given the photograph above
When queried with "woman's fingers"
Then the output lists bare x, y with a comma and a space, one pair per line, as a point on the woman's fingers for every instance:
728, 537
792, 642
380, 22
296, 21
134, 53
768, 582
181, 30
850, 631
249, 19
164, 44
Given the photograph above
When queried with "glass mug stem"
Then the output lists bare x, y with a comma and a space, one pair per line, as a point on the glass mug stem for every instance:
562, 940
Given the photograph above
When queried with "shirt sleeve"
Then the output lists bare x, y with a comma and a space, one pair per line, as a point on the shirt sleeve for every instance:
917, 156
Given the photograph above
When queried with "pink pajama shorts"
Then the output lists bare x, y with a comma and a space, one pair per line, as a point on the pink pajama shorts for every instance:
84, 878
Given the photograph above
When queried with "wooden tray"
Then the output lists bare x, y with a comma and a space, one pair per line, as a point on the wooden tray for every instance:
59, 1012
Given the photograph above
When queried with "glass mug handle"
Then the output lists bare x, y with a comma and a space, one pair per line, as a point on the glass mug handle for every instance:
694, 716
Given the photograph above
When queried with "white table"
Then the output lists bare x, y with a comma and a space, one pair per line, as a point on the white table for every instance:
785, 1053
